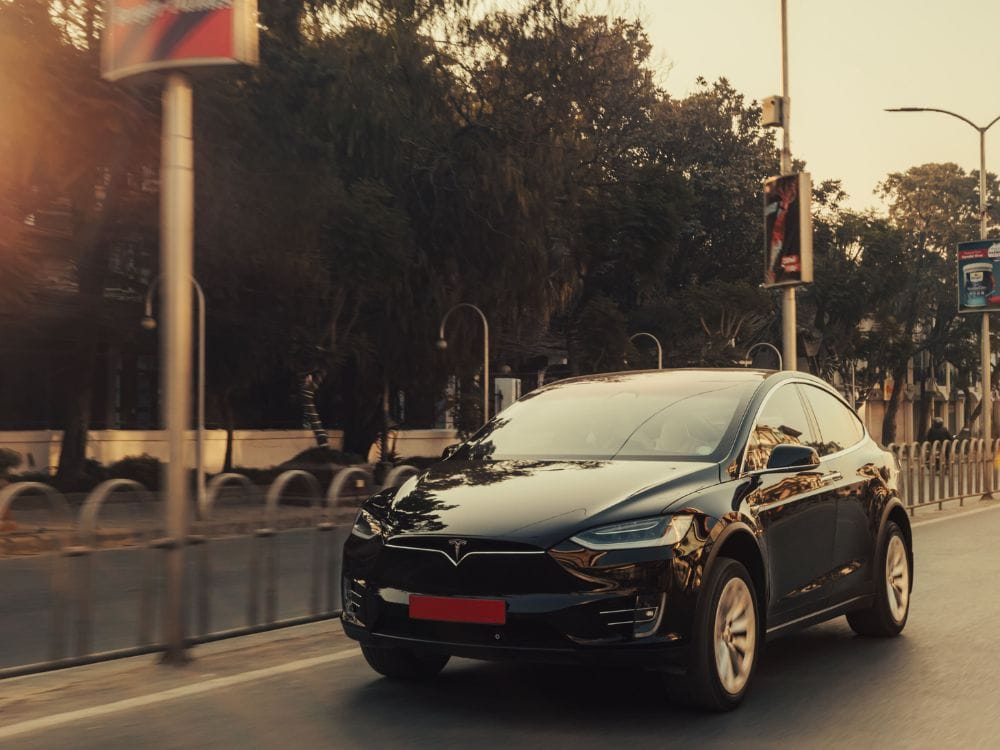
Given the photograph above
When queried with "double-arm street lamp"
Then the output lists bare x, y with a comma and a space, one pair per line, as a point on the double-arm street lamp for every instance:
659, 347
442, 344
149, 323
983, 211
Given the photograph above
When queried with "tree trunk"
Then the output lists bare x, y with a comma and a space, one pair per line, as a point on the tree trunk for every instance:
924, 413
227, 408
307, 392
892, 408
92, 266
80, 384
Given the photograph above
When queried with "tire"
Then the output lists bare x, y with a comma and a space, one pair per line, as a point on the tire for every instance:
893, 581
718, 677
404, 663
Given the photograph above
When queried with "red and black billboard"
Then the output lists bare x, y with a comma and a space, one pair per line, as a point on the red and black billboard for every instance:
788, 230
142, 36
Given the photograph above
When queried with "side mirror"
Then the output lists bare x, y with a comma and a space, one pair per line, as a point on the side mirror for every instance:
450, 451
786, 457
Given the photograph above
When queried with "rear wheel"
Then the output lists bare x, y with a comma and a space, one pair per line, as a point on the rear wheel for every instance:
887, 615
404, 663
725, 642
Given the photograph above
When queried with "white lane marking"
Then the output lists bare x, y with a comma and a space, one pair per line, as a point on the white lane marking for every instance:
917, 524
56, 720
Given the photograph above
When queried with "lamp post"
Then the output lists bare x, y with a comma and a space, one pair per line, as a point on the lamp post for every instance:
442, 344
985, 333
149, 323
772, 347
789, 324
659, 347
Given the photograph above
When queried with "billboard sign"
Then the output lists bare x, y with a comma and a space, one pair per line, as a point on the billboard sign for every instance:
977, 276
788, 230
142, 36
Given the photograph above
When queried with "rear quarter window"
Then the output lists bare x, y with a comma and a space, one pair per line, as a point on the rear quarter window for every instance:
839, 426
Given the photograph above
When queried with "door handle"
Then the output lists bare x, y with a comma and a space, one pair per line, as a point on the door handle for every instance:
832, 476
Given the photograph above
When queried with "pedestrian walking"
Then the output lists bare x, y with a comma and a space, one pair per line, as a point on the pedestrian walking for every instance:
938, 431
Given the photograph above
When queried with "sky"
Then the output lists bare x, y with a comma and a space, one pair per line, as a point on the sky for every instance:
848, 60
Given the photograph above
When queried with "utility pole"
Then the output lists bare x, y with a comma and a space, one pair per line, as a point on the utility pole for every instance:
984, 337
788, 310
176, 254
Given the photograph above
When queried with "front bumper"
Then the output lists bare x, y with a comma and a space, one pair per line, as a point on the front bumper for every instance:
630, 608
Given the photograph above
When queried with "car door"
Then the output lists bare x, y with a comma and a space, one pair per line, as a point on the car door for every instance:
845, 459
795, 510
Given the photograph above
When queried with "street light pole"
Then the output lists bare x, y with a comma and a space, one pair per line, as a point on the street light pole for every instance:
442, 343
149, 323
176, 260
985, 354
746, 356
659, 347
788, 310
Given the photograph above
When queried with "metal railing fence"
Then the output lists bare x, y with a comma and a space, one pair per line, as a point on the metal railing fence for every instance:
934, 473
73, 544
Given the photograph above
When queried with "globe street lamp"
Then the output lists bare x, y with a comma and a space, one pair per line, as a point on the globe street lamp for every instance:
772, 347
442, 344
659, 347
149, 323
983, 211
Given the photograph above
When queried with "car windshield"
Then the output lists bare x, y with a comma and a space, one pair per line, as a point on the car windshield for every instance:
679, 415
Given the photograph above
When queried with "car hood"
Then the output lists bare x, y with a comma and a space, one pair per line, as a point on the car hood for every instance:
540, 502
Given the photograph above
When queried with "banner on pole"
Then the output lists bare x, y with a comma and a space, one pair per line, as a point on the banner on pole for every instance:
143, 36
977, 276
788, 256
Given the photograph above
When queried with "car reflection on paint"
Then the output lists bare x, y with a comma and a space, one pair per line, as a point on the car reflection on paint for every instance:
670, 520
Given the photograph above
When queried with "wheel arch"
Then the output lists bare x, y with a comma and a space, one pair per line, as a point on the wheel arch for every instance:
894, 511
738, 542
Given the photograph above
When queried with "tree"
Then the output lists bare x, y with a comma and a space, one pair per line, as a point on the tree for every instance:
74, 140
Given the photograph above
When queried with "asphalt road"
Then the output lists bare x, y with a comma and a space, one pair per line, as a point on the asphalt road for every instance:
933, 687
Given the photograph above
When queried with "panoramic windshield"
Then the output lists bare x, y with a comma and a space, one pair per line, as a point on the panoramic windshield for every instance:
648, 416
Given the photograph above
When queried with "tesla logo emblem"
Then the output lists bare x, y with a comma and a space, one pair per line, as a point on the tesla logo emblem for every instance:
457, 544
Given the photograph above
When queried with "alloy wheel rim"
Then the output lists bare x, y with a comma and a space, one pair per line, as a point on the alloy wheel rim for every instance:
897, 578
735, 636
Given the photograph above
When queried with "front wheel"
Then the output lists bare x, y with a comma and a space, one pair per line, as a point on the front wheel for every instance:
404, 663
725, 642
887, 615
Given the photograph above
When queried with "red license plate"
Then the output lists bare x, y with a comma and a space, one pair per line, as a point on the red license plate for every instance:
452, 609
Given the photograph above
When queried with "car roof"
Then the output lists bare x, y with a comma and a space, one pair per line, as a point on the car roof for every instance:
677, 375
684, 376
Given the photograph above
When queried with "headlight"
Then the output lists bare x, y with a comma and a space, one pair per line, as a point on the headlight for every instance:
366, 526
661, 531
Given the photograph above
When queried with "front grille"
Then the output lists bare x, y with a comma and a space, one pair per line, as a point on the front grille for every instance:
482, 567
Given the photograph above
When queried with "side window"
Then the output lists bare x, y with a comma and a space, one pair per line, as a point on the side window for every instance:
839, 428
781, 420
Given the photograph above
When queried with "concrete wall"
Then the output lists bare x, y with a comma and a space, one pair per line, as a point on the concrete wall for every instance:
423, 443
39, 449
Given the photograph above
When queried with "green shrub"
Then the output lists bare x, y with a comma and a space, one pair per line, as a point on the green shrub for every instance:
9, 459
143, 469
322, 454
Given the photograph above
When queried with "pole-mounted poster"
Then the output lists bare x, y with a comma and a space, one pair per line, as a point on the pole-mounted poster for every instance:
142, 36
788, 230
977, 276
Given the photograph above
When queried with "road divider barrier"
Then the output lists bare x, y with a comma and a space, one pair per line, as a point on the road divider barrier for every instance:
40, 521
938, 472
